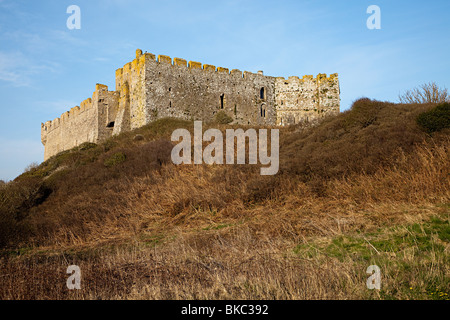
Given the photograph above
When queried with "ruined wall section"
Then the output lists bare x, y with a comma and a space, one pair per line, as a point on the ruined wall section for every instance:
80, 124
307, 99
329, 94
107, 104
195, 91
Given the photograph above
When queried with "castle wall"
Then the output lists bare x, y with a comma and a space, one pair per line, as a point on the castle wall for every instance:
72, 128
107, 104
307, 99
84, 123
329, 94
130, 85
150, 88
195, 92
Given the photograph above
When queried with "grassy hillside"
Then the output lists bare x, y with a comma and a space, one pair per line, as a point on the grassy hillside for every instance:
369, 186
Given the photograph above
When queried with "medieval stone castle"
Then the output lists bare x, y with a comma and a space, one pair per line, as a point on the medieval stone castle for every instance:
148, 89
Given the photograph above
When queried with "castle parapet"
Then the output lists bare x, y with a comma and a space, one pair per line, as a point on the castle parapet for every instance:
138, 53
195, 65
75, 111
209, 67
122, 74
236, 73
248, 75
86, 104
179, 62
223, 70
101, 87
65, 116
164, 59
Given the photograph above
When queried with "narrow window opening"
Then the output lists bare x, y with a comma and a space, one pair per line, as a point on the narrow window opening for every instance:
262, 93
110, 125
222, 98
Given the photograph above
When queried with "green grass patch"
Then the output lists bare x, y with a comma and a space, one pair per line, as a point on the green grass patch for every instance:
413, 258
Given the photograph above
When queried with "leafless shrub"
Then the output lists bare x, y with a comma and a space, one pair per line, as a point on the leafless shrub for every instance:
425, 93
31, 167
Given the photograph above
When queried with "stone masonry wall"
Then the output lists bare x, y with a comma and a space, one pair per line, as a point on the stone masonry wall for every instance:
307, 99
153, 88
84, 123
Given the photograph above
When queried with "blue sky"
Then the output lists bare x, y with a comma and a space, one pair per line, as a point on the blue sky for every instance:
46, 69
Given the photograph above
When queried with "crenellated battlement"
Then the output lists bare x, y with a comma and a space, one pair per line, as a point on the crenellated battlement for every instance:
321, 77
74, 112
155, 86
142, 58
194, 65
132, 68
180, 62
164, 59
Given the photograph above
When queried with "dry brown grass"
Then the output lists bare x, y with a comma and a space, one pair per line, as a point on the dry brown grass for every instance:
231, 263
178, 235
151, 230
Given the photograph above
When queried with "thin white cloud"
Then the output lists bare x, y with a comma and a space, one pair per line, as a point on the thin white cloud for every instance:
32, 42
18, 70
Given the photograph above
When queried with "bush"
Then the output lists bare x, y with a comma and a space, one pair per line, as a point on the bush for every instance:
436, 119
31, 167
361, 140
16, 200
115, 159
223, 118
109, 145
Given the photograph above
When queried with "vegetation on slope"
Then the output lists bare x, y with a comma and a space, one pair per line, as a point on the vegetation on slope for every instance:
369, 186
